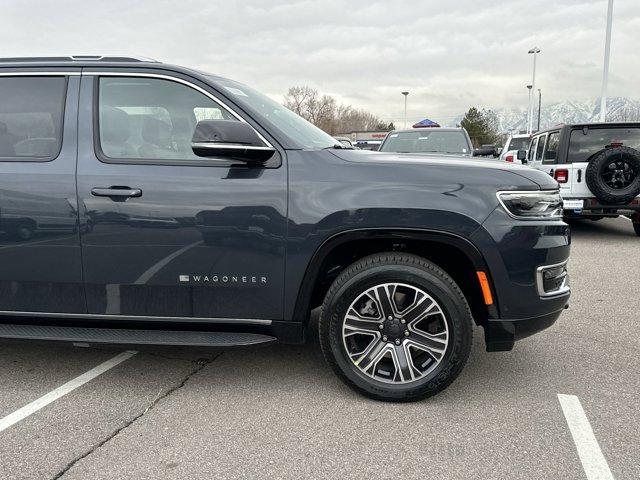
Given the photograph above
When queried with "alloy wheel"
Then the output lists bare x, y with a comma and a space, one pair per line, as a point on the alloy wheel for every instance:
395, 333
618, 174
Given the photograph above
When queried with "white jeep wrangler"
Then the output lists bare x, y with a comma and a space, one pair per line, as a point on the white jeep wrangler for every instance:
597, 166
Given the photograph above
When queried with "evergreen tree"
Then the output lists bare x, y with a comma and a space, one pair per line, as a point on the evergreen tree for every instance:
481, 126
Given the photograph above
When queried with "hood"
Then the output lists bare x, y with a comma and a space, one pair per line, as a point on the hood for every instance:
544, 180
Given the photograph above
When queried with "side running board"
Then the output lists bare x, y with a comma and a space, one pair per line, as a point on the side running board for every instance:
132, 336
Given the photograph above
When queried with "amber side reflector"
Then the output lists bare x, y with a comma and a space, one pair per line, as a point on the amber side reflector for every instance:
486, 289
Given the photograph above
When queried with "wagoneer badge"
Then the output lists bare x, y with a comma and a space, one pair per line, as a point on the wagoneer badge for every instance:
224, 279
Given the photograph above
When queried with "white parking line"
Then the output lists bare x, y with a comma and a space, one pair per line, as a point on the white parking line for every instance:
61, 391
593, 461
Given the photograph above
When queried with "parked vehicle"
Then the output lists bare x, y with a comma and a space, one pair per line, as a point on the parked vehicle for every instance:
204, 213
445, 141
597, 166
371, 145
512, 146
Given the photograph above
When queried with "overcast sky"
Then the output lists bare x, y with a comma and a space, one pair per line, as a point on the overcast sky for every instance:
449, 54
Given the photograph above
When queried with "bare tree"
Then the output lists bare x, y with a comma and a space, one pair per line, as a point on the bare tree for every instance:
297, 98
325, 112
307, 102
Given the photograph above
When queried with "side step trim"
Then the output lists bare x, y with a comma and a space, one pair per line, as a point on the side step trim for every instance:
132, 336
250, 321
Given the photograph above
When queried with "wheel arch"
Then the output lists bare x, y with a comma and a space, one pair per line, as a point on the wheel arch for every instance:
458, 256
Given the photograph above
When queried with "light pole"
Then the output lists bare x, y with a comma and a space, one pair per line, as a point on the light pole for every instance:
539, 107
605, 70
406, 94
529, 87
535, 51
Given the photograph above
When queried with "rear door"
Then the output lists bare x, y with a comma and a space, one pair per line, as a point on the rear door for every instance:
531, 154
549, 163
40, 262
537, 155
170, 234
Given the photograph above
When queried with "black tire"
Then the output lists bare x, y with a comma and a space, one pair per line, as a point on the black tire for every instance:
636, 228
598, 166
411, 270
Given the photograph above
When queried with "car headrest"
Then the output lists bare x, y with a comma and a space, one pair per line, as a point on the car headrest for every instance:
114, 125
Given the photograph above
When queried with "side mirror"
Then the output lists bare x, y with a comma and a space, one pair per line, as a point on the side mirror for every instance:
230, 139
522, 155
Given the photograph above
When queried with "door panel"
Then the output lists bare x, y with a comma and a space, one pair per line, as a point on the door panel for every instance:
40, 263
199, 241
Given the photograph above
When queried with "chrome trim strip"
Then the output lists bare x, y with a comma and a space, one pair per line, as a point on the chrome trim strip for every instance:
250, 321
106, 73
564, 288
39, 73
229, 146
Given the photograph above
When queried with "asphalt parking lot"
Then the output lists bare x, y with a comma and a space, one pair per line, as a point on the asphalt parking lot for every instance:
278, 412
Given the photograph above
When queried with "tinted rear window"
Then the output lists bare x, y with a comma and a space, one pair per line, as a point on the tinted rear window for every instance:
31, 111
585, 142
426, 141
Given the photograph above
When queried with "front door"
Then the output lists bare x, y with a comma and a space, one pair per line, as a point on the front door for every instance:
40, 261
167, 233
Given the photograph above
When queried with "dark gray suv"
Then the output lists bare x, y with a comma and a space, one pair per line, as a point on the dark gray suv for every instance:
143, 203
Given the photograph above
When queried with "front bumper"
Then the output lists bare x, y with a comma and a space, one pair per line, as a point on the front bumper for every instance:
518, 254
500, 335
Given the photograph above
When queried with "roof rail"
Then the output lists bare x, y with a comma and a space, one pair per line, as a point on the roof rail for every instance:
78, 58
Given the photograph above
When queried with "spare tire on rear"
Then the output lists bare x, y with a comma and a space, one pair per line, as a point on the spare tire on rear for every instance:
613, 175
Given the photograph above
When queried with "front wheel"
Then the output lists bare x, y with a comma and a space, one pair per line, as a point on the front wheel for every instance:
636, 228
395, 327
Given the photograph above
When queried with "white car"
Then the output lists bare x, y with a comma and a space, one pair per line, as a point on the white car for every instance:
596, 165
513, 145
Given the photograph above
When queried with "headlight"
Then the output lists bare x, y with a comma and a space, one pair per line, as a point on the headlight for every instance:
533, 205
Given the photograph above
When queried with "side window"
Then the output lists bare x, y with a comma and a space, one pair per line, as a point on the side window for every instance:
532, 149
551, 149
149, 118
31, 114
540, 147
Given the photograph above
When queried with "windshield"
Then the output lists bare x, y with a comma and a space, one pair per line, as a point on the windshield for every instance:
521, 143
429, 141
584, 142
278, 116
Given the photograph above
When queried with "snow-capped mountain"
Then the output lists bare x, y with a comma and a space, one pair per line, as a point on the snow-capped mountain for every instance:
619, 109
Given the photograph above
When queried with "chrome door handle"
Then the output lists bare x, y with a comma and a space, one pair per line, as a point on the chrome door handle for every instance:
118, 192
